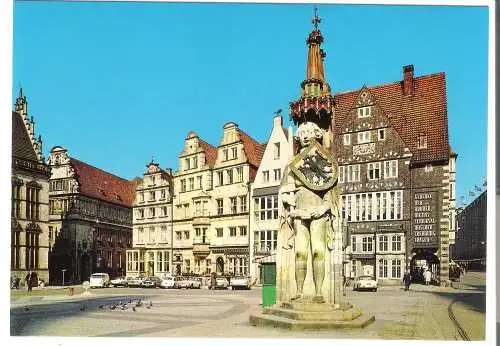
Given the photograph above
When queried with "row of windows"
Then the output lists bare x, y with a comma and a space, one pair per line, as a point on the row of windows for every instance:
387, 268
364, 137
189, 184
385, 243
233, 205
229, 176
276, 175
373, 206
31, 251
190, 163
229, 154
152, 212
32, 204
135, 261
153, 195
374, 171
266, 207
240, 231
266, 241
59, 185
151, 235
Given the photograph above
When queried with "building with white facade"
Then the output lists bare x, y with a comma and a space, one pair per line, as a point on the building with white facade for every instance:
264, 191
151, 254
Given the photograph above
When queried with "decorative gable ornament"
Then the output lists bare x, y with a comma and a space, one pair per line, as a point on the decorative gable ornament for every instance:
315, 167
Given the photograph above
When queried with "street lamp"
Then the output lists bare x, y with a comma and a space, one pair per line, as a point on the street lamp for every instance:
63, 270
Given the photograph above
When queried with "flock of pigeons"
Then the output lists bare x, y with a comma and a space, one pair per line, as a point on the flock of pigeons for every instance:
116, 306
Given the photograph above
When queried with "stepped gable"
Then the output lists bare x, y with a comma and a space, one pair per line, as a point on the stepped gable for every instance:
253, 149
424, 111
96, 183
21, 143
210, 152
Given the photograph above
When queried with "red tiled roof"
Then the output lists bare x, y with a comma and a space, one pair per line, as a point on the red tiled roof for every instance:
96, 183
253, 149
425, 111
210, 152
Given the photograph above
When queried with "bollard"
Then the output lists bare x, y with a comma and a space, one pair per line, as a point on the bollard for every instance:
71, 291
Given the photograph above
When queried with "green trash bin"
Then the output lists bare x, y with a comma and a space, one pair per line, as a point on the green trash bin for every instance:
268, 271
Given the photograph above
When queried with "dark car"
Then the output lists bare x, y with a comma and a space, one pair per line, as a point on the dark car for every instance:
151, 282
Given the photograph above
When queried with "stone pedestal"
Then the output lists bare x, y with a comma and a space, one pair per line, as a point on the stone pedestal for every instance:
309, 315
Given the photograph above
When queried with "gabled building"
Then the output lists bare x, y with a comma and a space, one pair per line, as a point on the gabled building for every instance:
238, 159
90, 225
396, 168
30, 198
264, 223
151, 254
193, 207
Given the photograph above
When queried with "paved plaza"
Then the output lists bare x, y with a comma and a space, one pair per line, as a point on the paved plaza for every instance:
422, 313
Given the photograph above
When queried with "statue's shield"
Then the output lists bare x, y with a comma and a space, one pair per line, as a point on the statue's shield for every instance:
315, 167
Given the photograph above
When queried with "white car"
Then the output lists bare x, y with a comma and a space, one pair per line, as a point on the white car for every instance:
365, 282
135, 282
220, 283
240, 282
169, 282
99, 280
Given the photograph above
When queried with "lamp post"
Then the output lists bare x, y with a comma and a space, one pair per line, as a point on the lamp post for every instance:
63, 270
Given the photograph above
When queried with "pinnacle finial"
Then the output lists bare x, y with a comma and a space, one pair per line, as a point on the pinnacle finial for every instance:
316, 20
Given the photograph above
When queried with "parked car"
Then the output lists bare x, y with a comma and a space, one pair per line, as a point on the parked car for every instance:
151, 282
365, 282
167, 282
99, 280
194, 282
119, 282
220, 283
135, 282
240, 282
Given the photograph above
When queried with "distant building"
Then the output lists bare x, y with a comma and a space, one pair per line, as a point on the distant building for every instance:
211, 213
470, 240
30, 198
238, 159
90, 225
193, 207
151, 254
396, 168
264, 222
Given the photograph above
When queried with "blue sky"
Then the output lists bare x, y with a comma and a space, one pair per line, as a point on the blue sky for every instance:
118, 83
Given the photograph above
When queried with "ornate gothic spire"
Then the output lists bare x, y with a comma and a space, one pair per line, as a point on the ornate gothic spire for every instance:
316, 102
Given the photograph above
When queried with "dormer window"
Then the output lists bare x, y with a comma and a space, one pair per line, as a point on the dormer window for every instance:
422, 141
364, 112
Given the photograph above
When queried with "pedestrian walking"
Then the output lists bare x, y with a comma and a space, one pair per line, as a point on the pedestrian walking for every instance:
28, 280
407, 280
428, 276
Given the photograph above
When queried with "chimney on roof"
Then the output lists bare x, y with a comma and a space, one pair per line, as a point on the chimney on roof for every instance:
408, 80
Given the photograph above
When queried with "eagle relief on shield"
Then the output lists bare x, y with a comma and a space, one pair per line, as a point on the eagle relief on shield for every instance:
315, 167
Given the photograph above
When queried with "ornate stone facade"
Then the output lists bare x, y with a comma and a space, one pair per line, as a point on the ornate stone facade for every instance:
30, 198
90, 225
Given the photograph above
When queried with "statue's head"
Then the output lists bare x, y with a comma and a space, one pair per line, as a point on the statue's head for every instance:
308, 131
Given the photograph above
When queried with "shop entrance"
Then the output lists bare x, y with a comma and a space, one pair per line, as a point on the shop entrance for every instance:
424, 260
220, 265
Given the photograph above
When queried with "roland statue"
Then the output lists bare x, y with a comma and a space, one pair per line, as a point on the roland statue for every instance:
309, 259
